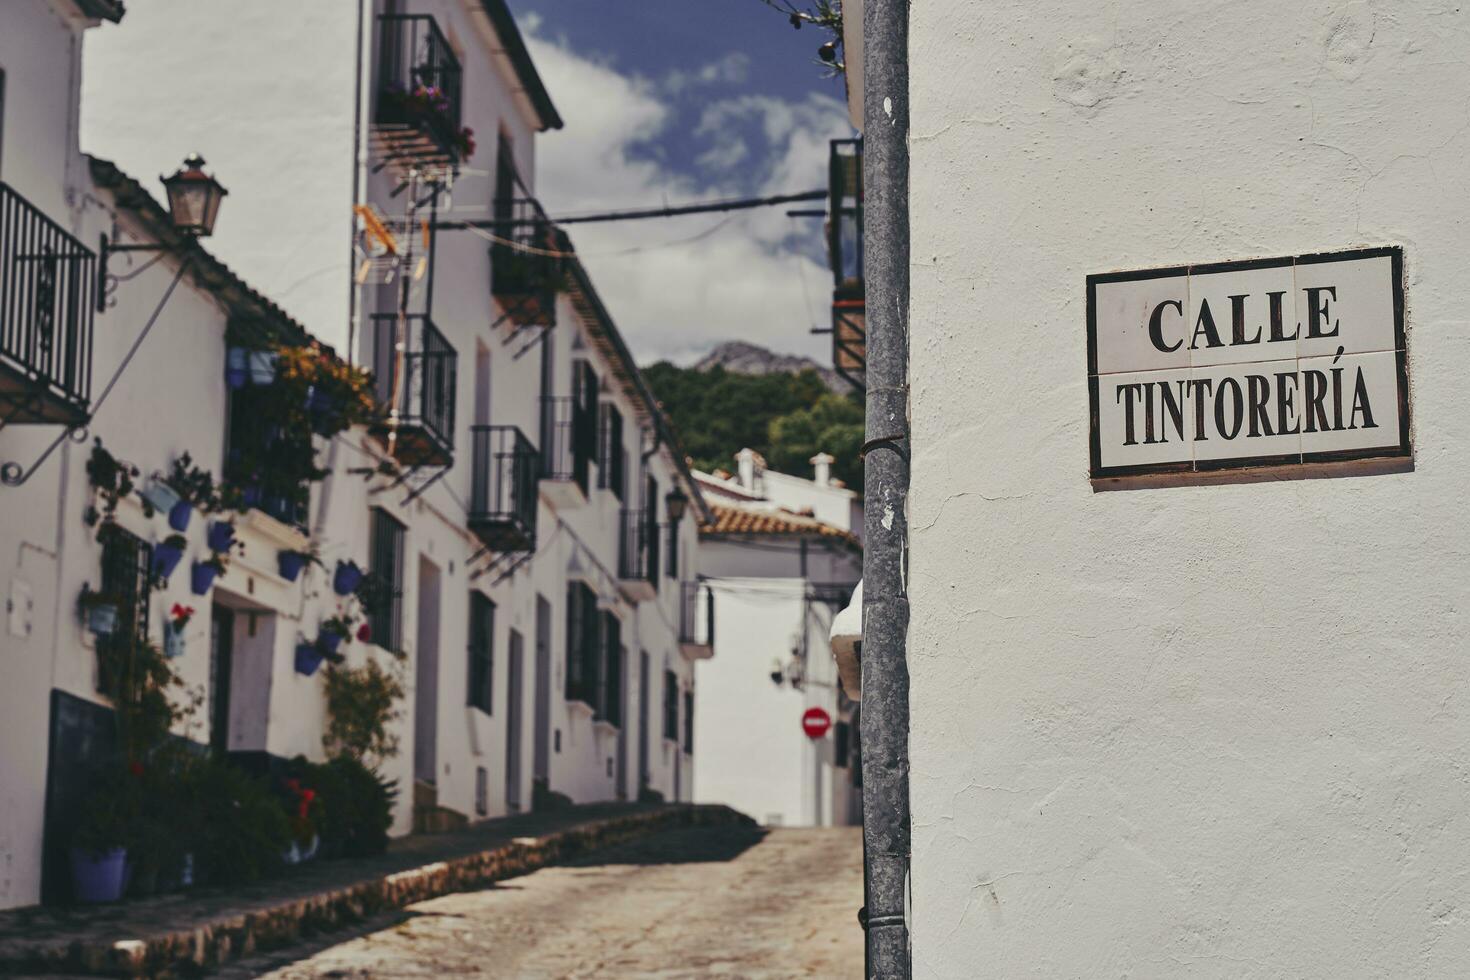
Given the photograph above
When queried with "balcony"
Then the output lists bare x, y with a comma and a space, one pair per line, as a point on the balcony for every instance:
568, 445
850, 342
638, 556
696, 621
845, 217
503, 501
525, 264
47, 294
414, 373
416, 125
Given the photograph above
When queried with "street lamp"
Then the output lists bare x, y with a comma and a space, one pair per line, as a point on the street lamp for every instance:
674, 504
193, 204
193, 197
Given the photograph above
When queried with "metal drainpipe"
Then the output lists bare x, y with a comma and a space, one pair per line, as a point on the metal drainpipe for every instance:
885, 714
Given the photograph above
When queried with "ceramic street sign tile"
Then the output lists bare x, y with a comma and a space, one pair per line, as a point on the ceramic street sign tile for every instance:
1265, 362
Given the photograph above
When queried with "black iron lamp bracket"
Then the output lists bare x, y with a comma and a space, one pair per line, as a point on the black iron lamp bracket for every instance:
106, 281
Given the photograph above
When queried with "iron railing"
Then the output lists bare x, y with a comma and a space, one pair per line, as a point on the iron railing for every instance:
503, 487
525, 262
420, 81
697, 614
568, 440
47, 286
638, 556
414, 370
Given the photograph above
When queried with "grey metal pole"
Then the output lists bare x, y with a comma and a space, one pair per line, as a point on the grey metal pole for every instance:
885, 714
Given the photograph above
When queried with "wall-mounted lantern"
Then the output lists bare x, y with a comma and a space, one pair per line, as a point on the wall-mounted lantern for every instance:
675, 503
193, 203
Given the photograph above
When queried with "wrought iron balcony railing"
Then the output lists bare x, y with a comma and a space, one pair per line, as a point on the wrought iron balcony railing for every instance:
503, 499
845, 217
47, 287
420, 86
568, 441
414, 370
638, 554
526, 262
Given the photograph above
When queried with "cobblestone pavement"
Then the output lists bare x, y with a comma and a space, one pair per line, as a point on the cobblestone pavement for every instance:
698, 902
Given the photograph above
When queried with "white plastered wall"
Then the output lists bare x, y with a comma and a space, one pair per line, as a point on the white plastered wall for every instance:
1205, 731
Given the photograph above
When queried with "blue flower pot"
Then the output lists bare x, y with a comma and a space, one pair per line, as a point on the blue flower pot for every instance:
251, 495
202, 577
221, 536
161, 497
237, 367
166, 558
290, 564
346, 579
308, 659
173, 641
262, 367
101, 877
329, 642
178, 516
102, 620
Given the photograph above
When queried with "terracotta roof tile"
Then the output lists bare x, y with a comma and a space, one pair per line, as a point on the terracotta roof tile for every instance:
749, 520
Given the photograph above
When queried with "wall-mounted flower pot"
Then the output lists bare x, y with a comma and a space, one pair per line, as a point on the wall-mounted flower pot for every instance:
290, 564
221, 536
329, 642
347, 577
166, 558
262, 367
237, 367
308, 659
179, 514
161, 497
173, 641
102, 619
99, 877
202, 577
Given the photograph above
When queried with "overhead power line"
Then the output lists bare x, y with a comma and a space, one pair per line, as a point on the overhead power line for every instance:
738, 204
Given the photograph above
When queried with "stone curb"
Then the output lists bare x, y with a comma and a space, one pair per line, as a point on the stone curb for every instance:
195, 951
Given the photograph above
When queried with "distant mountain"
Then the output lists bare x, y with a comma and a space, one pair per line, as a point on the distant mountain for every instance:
739, 357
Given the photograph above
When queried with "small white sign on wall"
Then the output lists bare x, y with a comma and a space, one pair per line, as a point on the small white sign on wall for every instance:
1265, 362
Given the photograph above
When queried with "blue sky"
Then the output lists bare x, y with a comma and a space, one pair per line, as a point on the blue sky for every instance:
672, 100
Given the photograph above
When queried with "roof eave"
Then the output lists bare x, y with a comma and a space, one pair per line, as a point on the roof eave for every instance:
520, 60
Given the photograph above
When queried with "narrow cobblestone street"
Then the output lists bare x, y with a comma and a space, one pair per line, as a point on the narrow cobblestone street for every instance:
698, 902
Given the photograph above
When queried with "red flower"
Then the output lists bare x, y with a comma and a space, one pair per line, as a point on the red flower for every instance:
135, 767
365, 633
307, 795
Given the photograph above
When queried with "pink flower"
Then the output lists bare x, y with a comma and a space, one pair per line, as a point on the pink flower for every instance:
365, 633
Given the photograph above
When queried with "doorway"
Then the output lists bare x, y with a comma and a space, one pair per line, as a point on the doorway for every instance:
221, 667
541, 735
426, 685
513, 750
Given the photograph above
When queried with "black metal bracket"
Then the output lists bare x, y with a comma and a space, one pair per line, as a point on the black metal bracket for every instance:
106, 283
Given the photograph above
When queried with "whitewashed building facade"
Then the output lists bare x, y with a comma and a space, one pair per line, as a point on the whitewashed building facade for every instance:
519, 504
779, 558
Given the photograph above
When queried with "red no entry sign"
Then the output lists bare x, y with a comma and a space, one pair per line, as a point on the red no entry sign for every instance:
815, 722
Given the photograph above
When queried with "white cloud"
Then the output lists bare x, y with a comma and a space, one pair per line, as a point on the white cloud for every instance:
679, 286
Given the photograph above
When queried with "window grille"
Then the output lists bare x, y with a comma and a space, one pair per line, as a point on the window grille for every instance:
481, 652
385, 611
671, 706
126, 560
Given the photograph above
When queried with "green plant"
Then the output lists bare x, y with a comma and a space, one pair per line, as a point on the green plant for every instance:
90, 600
107, 817
356, 804
361, 704
246, 830
111, 479
194, 484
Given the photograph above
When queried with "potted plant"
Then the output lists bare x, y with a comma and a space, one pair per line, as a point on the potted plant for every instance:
173, 630
195, 487
303, 810
205, 572
105, 826
221, 536
111, 479
101, 611
159, 496
237, 367
291, 562
308, 658
346, 578
262, 367
332, 633
167, 554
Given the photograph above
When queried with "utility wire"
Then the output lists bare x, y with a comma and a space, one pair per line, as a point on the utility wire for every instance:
736, 204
